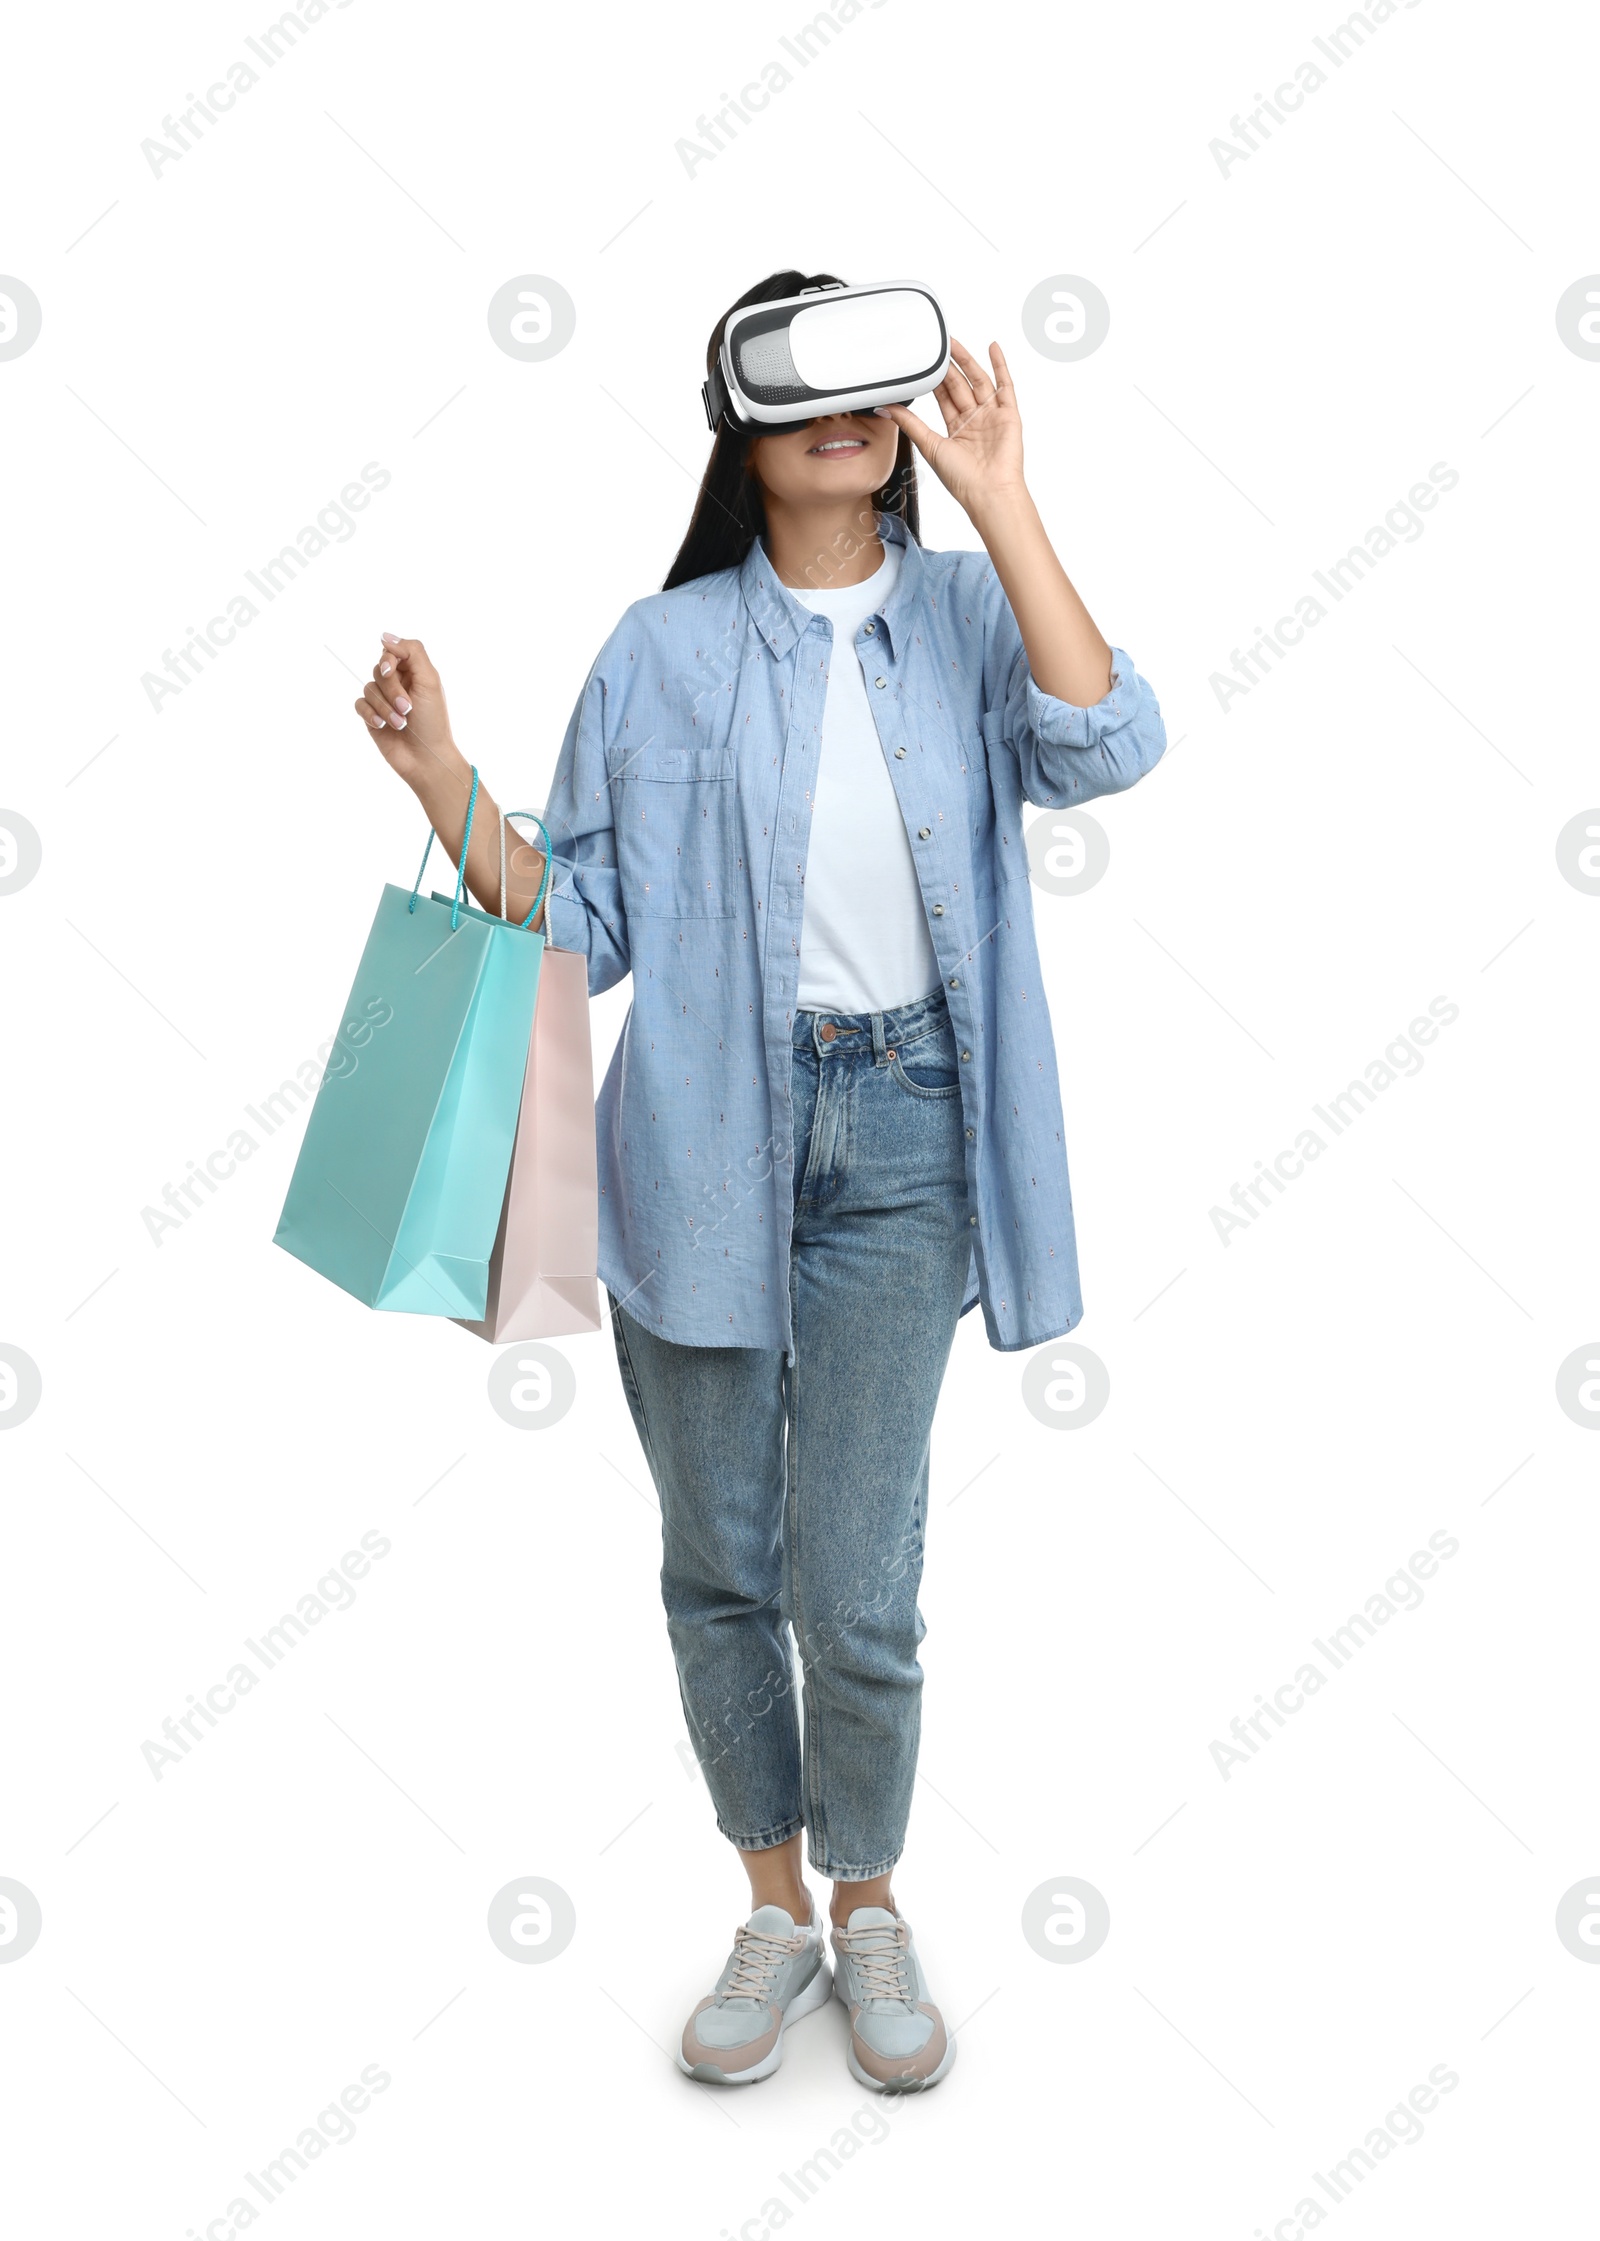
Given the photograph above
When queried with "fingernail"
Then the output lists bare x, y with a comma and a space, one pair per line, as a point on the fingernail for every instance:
384, 668
390, 639
403, 705
398, 722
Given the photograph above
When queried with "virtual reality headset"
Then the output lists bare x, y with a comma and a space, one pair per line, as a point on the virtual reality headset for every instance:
829, 349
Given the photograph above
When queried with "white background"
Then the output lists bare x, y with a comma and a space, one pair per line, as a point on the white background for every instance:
1292, 1414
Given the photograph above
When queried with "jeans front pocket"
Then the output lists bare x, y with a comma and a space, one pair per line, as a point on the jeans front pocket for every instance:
928, 1066
673, 811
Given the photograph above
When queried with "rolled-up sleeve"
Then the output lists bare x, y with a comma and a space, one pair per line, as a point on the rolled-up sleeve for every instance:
583, 910
1067, 754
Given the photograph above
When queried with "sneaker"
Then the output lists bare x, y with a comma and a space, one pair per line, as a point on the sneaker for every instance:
898, 2042
774, 1974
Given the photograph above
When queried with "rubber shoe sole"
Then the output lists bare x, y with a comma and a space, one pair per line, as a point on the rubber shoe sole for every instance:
804, 2003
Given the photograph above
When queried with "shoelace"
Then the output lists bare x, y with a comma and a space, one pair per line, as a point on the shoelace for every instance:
757, 1957
884, 1964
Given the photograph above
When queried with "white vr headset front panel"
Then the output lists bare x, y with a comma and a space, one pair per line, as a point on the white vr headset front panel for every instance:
865, 340
829, 350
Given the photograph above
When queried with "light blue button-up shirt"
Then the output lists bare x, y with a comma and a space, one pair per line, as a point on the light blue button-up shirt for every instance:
680, 816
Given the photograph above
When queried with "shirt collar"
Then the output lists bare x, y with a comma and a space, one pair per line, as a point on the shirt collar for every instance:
779, 616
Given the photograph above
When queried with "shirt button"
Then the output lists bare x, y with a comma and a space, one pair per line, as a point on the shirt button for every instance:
972, 1135
899, 754
880, 682
955, 984
965, 1056
871, 627
938, 910
972, 1221
922, 832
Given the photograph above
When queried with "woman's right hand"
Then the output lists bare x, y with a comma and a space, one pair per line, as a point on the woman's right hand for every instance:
404, 709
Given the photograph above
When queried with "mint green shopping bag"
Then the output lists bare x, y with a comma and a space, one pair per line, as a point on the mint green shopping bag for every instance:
396, 1194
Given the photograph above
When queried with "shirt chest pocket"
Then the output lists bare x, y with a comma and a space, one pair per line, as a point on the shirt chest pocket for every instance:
673, 813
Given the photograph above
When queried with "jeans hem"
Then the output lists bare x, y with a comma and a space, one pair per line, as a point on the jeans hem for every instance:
836, 1874
767, 1839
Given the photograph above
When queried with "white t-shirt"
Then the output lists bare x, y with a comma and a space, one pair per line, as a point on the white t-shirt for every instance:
864, 944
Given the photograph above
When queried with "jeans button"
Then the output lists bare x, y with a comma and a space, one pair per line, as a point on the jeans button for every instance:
972, 1221
972, 1135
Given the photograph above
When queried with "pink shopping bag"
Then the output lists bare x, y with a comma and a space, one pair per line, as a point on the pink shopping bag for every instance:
542, 1277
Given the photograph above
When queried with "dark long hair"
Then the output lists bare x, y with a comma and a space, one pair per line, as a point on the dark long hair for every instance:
730, 513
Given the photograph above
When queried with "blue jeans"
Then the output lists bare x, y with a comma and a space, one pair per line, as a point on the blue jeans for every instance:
795, 1497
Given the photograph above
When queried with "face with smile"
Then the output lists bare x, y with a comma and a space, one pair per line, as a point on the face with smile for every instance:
843, 456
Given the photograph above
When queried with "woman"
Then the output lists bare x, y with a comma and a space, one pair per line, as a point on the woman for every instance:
789, 802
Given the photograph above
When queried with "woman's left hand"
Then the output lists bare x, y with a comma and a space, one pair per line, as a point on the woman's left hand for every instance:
979, 457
